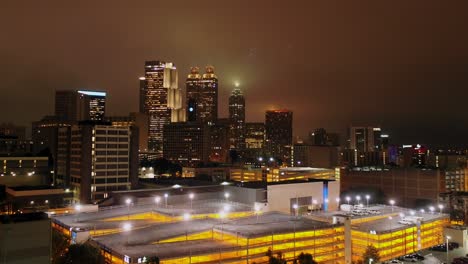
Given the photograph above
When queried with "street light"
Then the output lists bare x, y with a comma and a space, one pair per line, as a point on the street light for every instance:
447, 247
257, 211
358, 198
77, 209
295, 206
441, 207
348, 199
370, 260
431, 208
157, 200
128, 202
126, 228
191, 195
422, 211
187, 216
367, 198
392, 203
226, 195
165, 198
412, 212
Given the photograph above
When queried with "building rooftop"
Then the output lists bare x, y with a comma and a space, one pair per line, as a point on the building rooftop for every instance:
271, 222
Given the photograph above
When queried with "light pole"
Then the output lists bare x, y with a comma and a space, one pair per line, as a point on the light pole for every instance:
126, 228
295, 206
226, 195
392, 203
441, 207
431, 208
257, 211
128, 202
165, 198
370, 260
191, 195
422, 211
447, 247
358, 198
348, 199
367, 198
77, 209
157, 200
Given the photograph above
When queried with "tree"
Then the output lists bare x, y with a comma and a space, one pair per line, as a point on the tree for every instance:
371, 253
81, 254
275, 260
59, 245
152, 260
305, 258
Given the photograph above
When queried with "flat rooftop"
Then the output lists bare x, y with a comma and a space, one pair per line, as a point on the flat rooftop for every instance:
144, 241
271, 222
114, 217
386, 220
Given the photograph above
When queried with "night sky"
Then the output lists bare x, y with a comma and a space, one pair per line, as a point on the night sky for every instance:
402, 65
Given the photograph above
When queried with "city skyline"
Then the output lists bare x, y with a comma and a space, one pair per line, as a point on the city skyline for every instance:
406, 87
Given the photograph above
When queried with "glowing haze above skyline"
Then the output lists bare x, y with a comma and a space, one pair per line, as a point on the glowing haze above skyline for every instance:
402, 65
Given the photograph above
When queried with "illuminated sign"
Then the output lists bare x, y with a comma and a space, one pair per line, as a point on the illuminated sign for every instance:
93, 93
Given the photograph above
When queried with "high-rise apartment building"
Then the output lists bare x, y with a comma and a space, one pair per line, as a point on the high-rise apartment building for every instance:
80, 105
161, 100
186, 143
278, 131
202, 95
237, 120
94, 160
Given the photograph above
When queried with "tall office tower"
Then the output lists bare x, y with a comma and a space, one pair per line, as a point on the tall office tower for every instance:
80, 105
202, 95
254, 140
95, 160
193, 90
364, 139
237, 120
161, 100
92, 105
278, 131
66, 105
319, 137
186, 143
219, 140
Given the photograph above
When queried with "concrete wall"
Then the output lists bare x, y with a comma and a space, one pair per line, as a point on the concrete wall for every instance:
246, 195
280, 195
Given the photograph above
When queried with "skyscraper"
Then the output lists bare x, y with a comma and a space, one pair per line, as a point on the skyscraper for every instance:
254, 140
278, 130
186, 143
161, 100
202, 95
80, 105
237, 120
92, 105
364, 139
